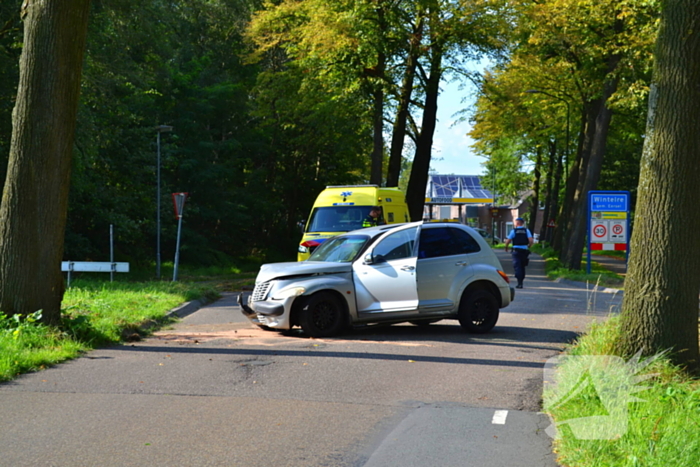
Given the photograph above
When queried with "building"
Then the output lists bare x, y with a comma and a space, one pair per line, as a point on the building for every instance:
464, 199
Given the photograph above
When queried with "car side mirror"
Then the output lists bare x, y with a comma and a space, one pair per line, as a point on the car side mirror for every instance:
301, 224
368, 259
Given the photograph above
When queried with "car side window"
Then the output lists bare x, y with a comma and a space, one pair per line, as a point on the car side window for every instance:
463, 242
396, 246
445, 241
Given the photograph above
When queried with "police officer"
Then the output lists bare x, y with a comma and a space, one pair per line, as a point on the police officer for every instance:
522, 241
373, 218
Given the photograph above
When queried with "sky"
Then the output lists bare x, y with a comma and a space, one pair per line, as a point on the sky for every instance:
452, 153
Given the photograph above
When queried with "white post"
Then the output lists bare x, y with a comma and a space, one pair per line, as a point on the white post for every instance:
179, 199
111, 251
177, 247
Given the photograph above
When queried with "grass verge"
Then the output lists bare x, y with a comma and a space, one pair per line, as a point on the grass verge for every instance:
599, 274
94, 314
658, 428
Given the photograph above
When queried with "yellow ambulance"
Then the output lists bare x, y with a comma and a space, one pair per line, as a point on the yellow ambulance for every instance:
341, 209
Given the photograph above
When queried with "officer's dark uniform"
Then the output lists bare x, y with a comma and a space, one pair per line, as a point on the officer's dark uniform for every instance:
370, 221
373, 221
520, 253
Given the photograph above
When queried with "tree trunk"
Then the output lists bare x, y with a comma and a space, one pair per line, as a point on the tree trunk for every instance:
399, 132
535, 200
35, 197
415, 193
570, 187
591, 165
378, 148
557, 187
660, 307
549, 189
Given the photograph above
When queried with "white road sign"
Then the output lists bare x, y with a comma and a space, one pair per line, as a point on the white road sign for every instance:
618, 231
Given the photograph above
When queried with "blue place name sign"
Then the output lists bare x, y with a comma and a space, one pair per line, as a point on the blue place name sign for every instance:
609, 202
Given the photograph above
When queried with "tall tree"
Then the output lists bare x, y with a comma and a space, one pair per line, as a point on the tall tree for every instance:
35, 197
454, 31
10, 50
660, 307
606, 47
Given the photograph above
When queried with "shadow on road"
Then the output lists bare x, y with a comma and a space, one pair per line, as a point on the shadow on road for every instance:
257, 352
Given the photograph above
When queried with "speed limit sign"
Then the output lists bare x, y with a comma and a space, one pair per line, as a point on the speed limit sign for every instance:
599, 231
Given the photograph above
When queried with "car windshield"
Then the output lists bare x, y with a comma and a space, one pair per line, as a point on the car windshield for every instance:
341, 249
337, 218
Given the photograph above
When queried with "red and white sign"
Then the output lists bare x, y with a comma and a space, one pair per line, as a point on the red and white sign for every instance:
608, 246
179, 203
599, 231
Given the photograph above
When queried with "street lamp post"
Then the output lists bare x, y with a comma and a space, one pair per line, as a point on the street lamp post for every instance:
159, 129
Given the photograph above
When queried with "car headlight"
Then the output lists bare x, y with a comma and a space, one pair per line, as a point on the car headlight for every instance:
288, 292
303, 249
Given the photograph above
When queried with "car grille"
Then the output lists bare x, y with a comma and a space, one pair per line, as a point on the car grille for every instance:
261, 290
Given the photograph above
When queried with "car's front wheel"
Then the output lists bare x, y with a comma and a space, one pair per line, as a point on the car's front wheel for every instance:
322, 315
478, 311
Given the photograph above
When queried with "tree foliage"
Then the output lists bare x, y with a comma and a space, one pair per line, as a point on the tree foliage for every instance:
578, 73
252, 150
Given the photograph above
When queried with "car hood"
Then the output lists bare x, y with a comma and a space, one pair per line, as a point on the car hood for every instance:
301, 268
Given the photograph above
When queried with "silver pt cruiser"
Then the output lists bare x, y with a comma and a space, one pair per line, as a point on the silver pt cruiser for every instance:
417, 272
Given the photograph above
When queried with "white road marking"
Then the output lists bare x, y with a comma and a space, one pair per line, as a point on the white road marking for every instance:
499, 417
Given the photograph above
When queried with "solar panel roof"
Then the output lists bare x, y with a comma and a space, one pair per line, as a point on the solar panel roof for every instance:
457, 186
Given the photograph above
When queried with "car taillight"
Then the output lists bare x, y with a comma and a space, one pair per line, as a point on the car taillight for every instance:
503, 275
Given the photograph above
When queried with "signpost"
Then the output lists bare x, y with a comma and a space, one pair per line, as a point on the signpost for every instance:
608, 222
179, 205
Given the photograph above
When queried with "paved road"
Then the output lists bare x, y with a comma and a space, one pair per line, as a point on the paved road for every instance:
213, 391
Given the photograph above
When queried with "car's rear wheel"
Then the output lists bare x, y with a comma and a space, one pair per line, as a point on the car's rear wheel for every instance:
478, 311
322, 315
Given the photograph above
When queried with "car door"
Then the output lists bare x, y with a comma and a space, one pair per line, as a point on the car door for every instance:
387, 282
443, 265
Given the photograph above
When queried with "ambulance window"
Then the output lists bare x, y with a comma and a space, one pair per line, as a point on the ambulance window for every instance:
390, 217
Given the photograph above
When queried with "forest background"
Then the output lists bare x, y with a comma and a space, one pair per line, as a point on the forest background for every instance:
272, 101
